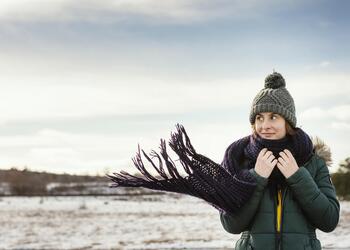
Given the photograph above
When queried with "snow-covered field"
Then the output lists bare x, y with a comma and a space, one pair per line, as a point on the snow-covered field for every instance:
121, 222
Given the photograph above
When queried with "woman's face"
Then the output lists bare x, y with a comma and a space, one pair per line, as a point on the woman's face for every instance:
269, 125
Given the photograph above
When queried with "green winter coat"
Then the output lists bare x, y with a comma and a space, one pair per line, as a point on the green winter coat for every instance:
308, 202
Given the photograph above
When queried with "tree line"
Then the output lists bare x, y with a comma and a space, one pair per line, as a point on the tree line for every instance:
26, 182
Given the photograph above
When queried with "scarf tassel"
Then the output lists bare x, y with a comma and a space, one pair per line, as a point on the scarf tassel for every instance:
205, 179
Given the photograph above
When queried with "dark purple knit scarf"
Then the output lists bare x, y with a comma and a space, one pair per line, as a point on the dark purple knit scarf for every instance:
299, 144
242, 154
226, 186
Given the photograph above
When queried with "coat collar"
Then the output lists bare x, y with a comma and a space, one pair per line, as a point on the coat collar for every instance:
322, 150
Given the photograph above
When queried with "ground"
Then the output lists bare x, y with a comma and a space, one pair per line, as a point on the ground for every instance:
121, 222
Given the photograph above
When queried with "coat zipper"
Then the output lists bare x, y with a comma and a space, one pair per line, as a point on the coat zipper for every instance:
279, 234
275, 203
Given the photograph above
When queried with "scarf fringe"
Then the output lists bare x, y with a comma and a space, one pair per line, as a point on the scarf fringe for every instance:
205, 179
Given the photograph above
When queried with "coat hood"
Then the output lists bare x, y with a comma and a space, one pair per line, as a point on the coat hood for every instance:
322, 150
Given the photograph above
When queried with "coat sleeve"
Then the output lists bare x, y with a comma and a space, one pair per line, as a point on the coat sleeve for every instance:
237, 223
316, 196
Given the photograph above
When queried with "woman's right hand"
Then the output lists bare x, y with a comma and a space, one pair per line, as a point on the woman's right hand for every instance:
265, 163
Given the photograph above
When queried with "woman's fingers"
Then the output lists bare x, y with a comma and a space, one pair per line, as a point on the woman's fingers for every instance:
287, 163
288, 153
267, 154
262, 152
274, 162
282, 160
280, 167
270, 158
265, 163
284, 156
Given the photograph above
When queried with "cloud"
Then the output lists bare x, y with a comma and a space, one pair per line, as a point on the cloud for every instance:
317, 66
318, 86
96, 93
48, 101
35, 101
117, 10
342, 112
60, 151
325, 64
313, 113
338, 116
341, 125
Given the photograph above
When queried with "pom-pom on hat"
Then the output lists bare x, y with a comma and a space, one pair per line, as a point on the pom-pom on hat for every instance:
274, 98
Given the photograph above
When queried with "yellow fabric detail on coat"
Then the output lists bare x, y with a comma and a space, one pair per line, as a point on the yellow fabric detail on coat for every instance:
279, 210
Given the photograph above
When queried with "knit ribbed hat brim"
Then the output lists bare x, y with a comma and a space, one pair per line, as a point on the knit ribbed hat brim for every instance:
274, 109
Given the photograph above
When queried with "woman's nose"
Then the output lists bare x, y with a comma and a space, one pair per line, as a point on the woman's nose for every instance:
266, 124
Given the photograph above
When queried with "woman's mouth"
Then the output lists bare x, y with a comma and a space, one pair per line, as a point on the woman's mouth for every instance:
267, 134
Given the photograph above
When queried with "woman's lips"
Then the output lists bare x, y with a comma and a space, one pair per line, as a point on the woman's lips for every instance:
267, 134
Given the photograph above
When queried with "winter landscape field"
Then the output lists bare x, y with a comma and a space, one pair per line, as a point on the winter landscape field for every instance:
125, 222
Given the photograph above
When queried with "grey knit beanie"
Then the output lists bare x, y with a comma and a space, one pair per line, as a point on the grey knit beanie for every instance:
274, 98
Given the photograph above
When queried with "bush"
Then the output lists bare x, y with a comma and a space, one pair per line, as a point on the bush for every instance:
23, 184
341, 180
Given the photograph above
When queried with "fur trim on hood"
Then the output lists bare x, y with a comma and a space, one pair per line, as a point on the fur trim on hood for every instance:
322, 150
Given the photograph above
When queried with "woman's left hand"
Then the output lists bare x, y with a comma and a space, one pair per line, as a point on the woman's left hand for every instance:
287, 164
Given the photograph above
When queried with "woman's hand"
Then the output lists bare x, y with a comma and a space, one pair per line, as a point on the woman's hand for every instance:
265, 163
287, 164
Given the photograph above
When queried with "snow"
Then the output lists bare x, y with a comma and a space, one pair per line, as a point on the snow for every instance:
125, 222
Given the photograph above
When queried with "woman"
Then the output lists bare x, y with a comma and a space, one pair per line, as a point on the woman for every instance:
294, 193
273, 185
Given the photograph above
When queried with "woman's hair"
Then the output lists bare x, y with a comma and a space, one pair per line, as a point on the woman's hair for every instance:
290, 130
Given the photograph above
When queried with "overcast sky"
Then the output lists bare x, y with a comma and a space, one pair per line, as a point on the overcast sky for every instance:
83, 82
